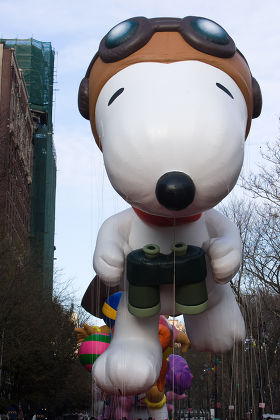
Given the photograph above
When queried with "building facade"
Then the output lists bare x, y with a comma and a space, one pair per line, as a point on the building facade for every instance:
36, 63
16, 151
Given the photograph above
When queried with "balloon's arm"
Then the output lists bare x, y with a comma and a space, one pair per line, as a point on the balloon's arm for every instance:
111, 248
86, 330
81, 334
183, 339
224, 246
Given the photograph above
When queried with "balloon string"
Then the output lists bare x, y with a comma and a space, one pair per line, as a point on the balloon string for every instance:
173, 339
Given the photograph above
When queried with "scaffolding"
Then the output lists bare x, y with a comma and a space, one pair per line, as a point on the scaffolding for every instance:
36, 60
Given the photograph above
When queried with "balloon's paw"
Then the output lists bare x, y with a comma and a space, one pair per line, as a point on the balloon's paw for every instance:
125, 369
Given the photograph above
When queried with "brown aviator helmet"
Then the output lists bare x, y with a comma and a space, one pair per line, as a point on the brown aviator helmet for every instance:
166, 40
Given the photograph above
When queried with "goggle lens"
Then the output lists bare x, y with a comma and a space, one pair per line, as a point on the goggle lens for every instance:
210, 30
121, 33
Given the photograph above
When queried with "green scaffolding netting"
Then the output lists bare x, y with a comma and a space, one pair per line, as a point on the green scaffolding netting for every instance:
36, 60
43, 203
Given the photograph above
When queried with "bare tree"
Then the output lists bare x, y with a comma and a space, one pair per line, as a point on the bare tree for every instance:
38, 345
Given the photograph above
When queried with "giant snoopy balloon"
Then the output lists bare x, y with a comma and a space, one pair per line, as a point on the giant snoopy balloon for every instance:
170, 103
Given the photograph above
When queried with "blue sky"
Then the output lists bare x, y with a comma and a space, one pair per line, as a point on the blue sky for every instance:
84, 196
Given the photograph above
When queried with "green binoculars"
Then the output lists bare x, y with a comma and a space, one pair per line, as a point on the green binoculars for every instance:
148, 269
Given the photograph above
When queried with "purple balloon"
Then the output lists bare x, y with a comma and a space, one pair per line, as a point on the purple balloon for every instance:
179, 376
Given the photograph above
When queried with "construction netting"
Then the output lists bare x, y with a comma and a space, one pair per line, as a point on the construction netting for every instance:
36, 60
43, 203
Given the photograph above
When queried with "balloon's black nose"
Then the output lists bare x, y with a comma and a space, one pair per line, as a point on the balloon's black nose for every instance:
175, 190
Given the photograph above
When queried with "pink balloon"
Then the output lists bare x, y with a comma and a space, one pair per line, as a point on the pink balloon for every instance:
170, 396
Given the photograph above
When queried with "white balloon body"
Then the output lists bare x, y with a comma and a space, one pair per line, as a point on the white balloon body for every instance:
169, 117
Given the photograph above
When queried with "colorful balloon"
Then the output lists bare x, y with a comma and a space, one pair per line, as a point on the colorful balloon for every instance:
92, 347
109, 309
179, 376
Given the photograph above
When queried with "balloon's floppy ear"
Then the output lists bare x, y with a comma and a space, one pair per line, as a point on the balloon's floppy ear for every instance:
257, 98
95, 295
83, 97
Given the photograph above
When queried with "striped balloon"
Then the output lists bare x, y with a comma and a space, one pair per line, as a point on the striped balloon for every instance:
92, 347
109, 309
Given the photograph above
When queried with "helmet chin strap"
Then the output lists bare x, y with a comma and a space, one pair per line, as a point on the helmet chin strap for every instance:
165, 221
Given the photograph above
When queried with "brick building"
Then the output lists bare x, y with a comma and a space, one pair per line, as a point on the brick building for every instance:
16, 150
27, 153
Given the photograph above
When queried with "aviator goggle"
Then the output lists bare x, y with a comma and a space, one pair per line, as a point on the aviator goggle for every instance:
203, 34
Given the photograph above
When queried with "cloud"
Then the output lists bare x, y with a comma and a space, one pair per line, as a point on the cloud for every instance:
81, 172
76, 55
52, 17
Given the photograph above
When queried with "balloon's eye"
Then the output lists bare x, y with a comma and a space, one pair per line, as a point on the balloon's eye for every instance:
210, 30
116, 94
224, 89
121, 33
